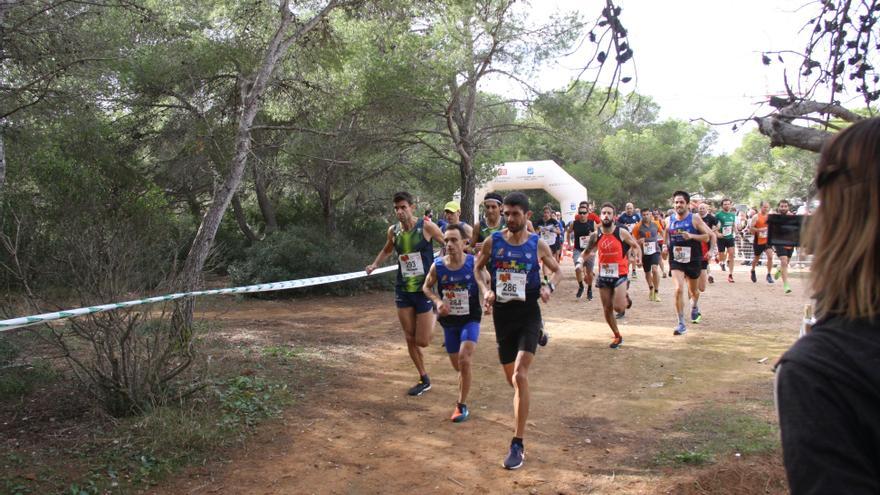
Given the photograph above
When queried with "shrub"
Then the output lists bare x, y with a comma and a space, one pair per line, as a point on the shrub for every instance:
302, 252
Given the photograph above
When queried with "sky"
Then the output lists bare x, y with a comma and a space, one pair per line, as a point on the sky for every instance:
696, 58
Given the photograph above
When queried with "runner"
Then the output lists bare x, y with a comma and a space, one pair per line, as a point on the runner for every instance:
684, 233
648, 233
512, 259
783, 252
727, 242
710, 249
492, 220
628, 219
411, 239
612, 242
758, 228
459, 309
548, 228
452, 213
578, 232
561, 238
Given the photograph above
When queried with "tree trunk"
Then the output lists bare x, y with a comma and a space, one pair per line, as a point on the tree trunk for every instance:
240, 218
2, 166
328, 212
251, 91
468, 189
266, 207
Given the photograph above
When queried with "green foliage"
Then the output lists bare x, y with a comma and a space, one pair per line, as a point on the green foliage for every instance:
713, 432
307, 251
246, 400
20, 380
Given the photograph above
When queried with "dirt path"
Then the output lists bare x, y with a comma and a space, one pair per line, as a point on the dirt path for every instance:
598, 416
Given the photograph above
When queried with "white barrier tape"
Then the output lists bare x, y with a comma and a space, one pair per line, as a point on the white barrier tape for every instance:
26, 321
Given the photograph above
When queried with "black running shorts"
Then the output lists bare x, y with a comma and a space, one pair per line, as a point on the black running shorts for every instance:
725, 243
517, 328
690, 270
786, 251
649, 261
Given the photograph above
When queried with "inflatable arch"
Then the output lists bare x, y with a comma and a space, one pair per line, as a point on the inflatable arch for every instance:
546, 175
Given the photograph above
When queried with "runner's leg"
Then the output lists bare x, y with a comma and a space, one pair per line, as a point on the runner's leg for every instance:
407, 317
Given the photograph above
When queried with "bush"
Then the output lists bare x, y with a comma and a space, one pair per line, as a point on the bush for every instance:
302, 252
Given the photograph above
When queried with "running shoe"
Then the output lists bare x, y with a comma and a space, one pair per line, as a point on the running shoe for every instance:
460, 414
670, 273
634, 277
419, 388
680, 329
580, 292
754, 277
769, 279
590, 293
543, 339
723, 267
730, 278
615, 344
711, 279
695, 315
620, 315
787, 288
656, 296
777, 273
515, 457
629, 302
651, 294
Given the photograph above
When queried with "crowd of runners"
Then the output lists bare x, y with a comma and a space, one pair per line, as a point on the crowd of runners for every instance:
503, 266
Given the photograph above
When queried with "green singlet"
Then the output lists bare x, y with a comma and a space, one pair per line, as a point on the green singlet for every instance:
727, 221
486, 231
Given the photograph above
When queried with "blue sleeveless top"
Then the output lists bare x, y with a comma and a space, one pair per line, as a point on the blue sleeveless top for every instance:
461, 287
515, 260
676, 227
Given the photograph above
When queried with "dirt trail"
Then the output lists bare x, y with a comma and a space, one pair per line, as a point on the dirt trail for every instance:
598, 415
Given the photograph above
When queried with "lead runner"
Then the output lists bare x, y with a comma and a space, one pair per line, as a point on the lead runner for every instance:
510, 259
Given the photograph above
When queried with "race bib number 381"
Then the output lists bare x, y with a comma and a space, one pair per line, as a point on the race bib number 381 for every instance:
510, 286
411, 265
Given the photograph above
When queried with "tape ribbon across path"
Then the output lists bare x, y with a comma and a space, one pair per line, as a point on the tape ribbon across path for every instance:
27, 321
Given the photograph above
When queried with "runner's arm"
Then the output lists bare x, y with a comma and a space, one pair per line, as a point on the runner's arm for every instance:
386, 251
482, 276
432, 232
551, 264
629, 239
705, 234
428, 286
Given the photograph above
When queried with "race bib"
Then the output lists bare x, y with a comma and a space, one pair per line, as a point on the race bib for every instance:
459, 303
549, 237
762, 234
681, 254
585, 239
727, 230
411, 265
609, 270
650, 248
510, 286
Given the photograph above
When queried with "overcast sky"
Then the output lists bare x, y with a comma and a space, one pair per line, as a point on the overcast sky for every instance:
697, 58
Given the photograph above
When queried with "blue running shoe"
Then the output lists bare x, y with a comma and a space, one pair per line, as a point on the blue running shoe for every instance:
461, 413
680, 329
515, 457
